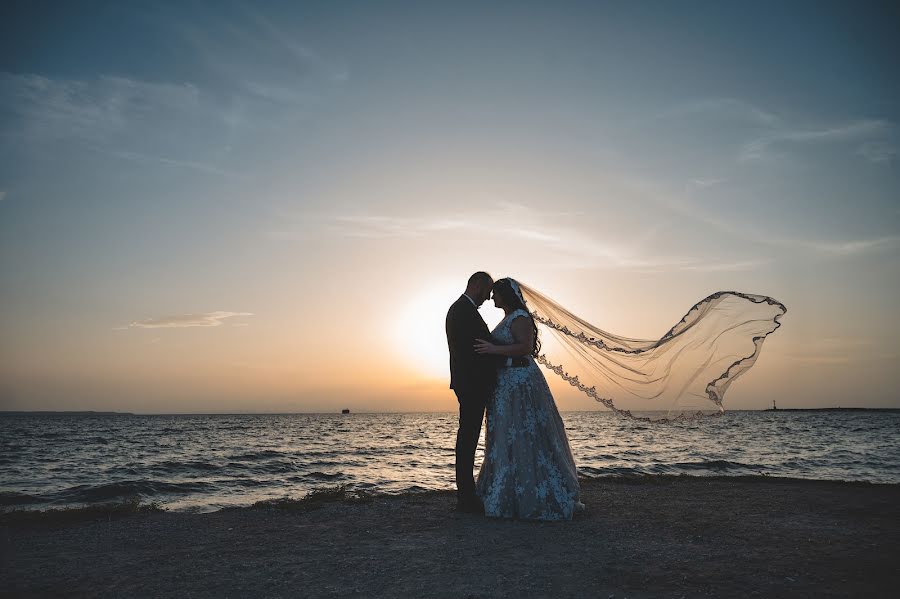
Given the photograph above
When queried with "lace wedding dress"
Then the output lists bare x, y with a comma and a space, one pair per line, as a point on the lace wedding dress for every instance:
528, 470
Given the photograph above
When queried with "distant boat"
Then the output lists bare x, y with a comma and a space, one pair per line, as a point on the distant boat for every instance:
345, 411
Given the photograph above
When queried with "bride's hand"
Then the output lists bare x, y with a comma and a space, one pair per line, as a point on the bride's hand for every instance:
484, 347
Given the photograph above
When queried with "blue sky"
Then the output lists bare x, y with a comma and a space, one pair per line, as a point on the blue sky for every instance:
169, 171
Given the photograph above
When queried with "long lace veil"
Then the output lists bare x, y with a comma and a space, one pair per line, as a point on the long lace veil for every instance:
681, 376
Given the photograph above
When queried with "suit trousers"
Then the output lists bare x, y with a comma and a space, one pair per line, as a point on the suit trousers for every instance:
471, 416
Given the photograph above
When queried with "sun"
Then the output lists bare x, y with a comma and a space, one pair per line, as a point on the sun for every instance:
419, 331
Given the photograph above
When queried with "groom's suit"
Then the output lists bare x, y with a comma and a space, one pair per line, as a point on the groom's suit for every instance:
472, 378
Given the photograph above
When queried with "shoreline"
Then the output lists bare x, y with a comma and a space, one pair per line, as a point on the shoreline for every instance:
641, 536
128, 505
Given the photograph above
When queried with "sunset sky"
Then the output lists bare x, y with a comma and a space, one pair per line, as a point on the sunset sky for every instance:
237, 207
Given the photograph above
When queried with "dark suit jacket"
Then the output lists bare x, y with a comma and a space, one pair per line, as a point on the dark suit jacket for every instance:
471, 374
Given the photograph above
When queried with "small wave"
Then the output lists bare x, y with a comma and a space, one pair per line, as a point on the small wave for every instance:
177, 467
659, 469
12, 498
719, 465
143, 488
126, 470
324, 475
249, 483
590, 471
256, 455
415, 489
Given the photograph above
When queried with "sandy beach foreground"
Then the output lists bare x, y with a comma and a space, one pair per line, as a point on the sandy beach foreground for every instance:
640, 537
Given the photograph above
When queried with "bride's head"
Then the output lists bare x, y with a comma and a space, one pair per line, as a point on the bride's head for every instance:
505, 297
508, 299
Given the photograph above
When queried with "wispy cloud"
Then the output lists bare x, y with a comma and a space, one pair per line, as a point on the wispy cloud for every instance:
554, 233
725, 108
703, 183
850, 131
162, 123
726, 266
2, 195
45, 109
764, 130
845, 248
178, 321
879, 152
186, 164
259, 57
301, 53
680, 203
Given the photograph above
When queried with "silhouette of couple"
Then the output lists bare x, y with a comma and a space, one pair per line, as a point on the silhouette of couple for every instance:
528, 471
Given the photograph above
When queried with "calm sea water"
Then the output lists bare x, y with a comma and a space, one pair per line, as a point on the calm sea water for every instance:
208, 462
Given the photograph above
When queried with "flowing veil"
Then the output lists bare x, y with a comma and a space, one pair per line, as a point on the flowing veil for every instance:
681, 376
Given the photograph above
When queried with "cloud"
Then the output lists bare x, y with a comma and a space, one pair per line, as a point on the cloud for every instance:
764, 130
257, 55
561, 243
173, 125
186, 164
698, 212
288, 44
2, 195
879, 152
265, 78
203, 319
703, 183
726, 266
850, 131
849, 248
727, 108
47, 110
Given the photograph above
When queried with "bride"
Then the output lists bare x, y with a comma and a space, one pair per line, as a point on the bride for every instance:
528, 470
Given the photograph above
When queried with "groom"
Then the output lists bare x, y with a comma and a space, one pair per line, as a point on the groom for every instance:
472, 378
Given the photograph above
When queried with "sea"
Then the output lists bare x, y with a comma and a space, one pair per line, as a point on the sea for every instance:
207, 462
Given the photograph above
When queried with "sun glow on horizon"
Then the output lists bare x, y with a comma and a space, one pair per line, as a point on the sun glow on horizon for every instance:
418, 330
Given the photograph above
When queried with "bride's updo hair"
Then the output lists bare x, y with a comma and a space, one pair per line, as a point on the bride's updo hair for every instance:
503, 288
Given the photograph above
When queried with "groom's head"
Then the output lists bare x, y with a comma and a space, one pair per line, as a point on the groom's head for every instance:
479, 287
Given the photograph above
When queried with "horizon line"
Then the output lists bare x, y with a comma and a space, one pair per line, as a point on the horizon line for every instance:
338, 413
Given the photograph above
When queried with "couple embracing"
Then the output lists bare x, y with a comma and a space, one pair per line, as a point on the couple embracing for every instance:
528, 470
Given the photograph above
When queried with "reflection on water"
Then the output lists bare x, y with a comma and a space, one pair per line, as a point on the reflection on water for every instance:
206, 462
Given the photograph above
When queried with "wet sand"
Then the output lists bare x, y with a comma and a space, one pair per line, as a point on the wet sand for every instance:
640, 537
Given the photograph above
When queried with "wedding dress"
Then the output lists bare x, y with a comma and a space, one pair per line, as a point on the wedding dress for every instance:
528, 470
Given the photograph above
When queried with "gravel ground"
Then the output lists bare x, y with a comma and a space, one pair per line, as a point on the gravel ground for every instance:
640, 537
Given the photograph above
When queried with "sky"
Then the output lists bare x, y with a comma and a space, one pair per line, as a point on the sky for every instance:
269, 206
